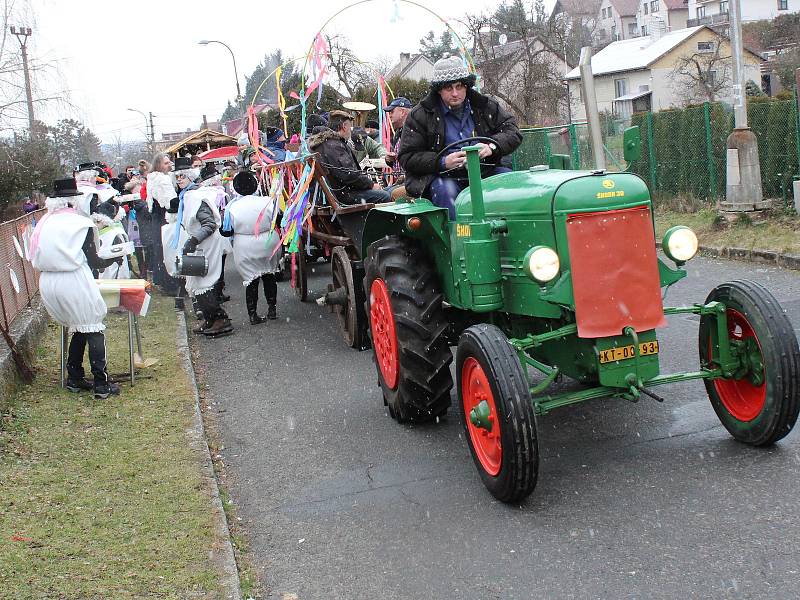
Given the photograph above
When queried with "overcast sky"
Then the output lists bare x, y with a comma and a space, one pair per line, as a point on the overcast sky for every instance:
119, 54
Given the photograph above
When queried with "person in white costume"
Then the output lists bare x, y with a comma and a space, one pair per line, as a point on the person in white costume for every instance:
198, 215
107, 217
250, 221
64, 250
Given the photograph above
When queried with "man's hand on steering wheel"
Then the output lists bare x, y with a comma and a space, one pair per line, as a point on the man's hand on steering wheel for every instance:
458, 159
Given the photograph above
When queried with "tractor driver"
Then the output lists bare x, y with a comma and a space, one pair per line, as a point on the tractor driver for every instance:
451, 111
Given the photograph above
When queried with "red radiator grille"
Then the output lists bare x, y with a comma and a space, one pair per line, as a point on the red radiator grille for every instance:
614, 272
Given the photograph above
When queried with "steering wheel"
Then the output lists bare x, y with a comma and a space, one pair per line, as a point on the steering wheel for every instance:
464, 142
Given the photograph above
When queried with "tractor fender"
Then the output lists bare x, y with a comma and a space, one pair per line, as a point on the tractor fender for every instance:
394, 220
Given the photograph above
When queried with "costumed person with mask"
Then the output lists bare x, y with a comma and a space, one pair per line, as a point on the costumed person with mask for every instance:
251, 221
87, 176
198, 215
210, 178
108, 219
64, 250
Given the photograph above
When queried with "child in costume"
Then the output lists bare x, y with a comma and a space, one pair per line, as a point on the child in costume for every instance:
108, 219
64, 249
250, 220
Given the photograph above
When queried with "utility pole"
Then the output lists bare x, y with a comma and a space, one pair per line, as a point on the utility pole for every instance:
743, 174
22, 34
152, 135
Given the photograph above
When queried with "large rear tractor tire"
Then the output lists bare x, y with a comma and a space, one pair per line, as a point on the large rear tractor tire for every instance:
760, 404
408, 330
499, 422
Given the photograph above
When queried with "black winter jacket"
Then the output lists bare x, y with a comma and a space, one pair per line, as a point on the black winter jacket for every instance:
343, 173
423, 136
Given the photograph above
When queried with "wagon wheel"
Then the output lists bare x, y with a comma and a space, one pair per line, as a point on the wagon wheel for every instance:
759, 404
300, 271
348, 313
496, 412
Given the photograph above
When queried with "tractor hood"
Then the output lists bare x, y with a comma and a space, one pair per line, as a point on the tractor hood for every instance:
531, 194
519, 193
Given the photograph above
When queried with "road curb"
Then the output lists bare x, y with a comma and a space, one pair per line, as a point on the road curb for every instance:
785, 261
222, 551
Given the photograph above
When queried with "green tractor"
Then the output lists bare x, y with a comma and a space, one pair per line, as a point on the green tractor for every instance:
548, 273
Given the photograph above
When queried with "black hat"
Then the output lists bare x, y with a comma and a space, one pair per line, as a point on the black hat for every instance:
315, 120
372, 124
245, 183
399, 102
108, 209
87, 166
65, 188
182, 163
208, 171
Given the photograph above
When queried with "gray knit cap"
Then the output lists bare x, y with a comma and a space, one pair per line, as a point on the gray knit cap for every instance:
450, 68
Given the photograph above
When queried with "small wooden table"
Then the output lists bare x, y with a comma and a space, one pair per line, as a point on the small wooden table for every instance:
133, 295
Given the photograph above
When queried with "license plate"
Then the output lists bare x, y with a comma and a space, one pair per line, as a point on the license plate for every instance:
626, 352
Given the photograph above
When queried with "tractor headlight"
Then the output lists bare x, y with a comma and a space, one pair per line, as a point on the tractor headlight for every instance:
541, 263
680, 244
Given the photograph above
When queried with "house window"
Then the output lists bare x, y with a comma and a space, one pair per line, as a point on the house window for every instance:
701, 12
723, 7
644, 30
620, 87
712, 78
644, 7
631, 29
705, 46
783, 4
654, 6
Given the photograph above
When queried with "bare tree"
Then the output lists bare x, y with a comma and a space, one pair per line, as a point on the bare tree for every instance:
515, 55
350, 72
44, 74
702, 76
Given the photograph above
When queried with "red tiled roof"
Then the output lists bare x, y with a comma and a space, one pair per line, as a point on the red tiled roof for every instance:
626, 8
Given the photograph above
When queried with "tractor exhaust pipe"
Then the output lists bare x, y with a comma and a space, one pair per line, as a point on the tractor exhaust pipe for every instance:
590, 104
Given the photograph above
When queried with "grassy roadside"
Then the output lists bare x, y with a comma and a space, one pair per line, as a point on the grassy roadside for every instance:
779, 233
104, 499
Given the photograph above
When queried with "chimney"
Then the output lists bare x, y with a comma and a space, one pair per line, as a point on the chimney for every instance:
405, 58
205, 123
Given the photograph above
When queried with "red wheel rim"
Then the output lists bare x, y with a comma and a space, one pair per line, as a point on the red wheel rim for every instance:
475, 389
384, 336
743, 400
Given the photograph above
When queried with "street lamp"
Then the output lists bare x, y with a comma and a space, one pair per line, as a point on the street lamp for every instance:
149, 133
235, 71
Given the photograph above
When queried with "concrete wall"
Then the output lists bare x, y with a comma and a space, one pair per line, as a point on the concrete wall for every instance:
26, 331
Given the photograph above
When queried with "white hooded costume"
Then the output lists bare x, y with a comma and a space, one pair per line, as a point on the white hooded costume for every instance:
254, 248
212, 247
69, 292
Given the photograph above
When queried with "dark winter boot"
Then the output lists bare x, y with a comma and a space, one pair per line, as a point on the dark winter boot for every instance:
219, 328
104, 390
271, 312
256, 319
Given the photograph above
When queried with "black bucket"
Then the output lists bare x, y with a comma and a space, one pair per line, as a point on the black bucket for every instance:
191, 265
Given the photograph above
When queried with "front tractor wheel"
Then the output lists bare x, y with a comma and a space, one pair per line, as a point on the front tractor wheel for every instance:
760, 403
408, 329
499, 422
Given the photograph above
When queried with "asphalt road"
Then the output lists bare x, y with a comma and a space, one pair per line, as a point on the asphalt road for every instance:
639, 500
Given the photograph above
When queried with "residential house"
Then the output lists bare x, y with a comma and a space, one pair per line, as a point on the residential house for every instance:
579, 15
412, 66
526, 77
663, 15
716, 12
640, 74
617, 20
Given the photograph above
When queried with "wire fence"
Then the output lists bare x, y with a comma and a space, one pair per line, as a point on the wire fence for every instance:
19, 281
683, 150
